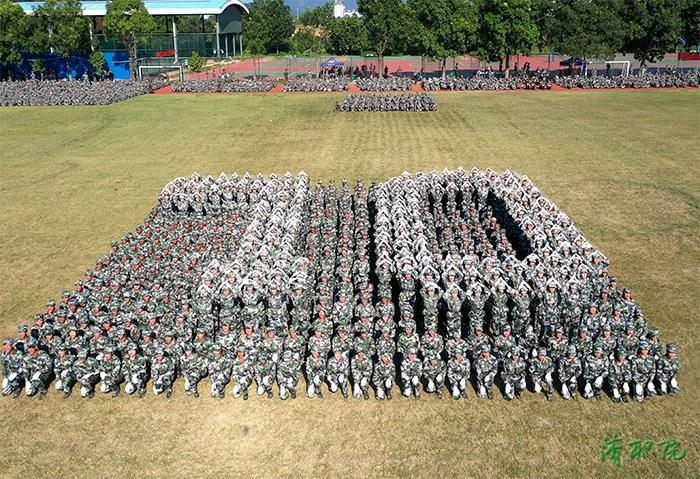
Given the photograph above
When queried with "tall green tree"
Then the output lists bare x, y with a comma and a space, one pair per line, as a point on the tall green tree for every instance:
61, 27
690, 16
506, 28
129, 21
269, 26
388, 25
585, 29
348, 36
444, 28
319, 17
308, 40
652, 28
13, 32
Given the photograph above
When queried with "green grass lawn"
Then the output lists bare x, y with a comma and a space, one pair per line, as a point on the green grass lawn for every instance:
623, 164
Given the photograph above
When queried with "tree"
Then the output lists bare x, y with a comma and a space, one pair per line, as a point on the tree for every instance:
38, 68
196, 63
690, 16
98, 63
348, 36
129, 21
61, 28
13, 31
269, 25
444, 28
307, 41
319, 17
386, 22
506, 28
653, 28
585, 29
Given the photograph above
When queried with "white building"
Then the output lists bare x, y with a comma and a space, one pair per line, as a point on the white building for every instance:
339, 10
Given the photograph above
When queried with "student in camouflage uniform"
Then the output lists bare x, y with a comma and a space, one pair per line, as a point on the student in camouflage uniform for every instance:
569, 370
383, 376
11, 369
135, 371
242, 374
361, 367
458, 373
315, 374
63, 369
541, 369
486, 367
434, 370
265, 373
338, 372
513, 374
620, 376
595, 369
163, 374
193, 368
643, 370
85, 369
667, 369
110, 372
219, 368
411, 370
288, 375
36, 369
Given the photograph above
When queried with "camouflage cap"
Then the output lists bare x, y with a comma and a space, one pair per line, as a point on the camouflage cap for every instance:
671, 348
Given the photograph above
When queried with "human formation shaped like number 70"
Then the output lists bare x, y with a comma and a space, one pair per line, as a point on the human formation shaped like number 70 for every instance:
438, 281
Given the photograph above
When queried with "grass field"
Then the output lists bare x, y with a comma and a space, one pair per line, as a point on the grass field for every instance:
624, 165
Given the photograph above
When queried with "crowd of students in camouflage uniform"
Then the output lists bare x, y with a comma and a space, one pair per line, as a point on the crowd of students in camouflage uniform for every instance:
366, 102
224, 85
76, 92
441, 282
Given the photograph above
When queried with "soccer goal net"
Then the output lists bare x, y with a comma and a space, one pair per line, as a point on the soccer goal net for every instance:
609, 68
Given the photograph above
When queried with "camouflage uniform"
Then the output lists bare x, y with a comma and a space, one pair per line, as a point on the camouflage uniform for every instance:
11, 369
86, 371
193, 368
620, 376
36, 369
458, 373
135, 371
569, 369
63, 369
667, 370
411, 370
288, 375
361, 367
595, 369
541, 369
315, 374
338, 372
513, 374
219, 368
383, 376
110, 372
643, 370
163, 374
486, 367
242, 373
434, 373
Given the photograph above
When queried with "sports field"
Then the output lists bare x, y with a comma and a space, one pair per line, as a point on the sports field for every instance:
625, 165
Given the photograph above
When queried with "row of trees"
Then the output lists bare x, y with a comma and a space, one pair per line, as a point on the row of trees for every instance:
57, 26
493, 29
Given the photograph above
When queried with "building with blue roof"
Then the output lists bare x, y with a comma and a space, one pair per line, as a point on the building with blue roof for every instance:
227, 13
